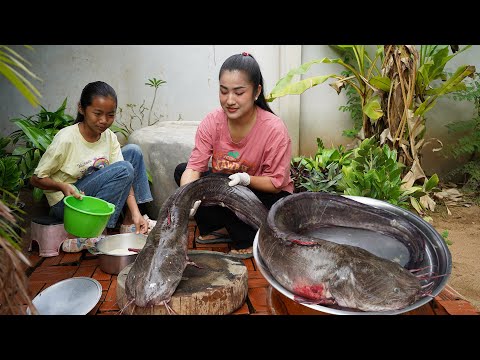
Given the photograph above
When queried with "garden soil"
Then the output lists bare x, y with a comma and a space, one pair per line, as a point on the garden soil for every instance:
463, 226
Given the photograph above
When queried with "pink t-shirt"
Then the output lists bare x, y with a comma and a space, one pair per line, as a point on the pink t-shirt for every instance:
265, 151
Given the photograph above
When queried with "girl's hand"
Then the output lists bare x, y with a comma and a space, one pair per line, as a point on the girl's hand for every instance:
70, 189
141, 224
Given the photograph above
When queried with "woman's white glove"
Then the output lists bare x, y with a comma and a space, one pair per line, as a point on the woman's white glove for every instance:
239, 178
194, 208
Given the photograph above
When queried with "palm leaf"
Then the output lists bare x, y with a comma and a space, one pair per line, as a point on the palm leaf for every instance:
10, 59
22, 85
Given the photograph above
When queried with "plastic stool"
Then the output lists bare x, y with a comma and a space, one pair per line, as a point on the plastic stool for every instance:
49, 233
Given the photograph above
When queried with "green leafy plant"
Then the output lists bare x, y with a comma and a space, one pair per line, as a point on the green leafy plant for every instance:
10, 176
34, 136
320, 172
325, 181
420, 200
4, 141
154, 83
369, 170
468, 145
445, 234
375, 172
136, 113
11, 179
353, 105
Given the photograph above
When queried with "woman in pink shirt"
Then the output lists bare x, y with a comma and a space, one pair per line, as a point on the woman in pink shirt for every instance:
246, 140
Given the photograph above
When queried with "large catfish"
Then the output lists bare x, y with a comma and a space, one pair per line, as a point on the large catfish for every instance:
158, 268
318, 271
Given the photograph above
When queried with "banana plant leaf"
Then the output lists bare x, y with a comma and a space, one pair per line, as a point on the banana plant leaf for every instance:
450, 85
285, 86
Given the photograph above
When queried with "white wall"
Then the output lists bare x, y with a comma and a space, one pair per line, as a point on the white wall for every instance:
191, 72
319, 112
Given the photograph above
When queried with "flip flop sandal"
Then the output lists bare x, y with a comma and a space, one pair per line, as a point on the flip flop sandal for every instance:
124, 229
78, 244
240, 256
220, 238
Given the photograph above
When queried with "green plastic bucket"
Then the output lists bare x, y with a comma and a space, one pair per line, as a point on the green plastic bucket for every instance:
87, 217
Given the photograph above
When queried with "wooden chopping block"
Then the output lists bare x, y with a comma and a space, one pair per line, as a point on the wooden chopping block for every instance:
219, 287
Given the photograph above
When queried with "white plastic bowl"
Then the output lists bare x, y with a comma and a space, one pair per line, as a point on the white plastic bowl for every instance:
74, 296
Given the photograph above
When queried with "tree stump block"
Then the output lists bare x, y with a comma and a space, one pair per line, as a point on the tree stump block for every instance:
218, 287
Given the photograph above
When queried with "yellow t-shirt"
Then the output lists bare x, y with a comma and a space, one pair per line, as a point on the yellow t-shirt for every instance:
70, 157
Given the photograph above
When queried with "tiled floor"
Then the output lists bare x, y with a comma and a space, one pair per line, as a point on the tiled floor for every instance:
262, 299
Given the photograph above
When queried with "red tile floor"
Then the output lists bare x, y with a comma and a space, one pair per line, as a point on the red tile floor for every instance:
262, 299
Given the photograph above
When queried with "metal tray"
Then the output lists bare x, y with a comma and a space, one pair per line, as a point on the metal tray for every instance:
74, 296
437, 259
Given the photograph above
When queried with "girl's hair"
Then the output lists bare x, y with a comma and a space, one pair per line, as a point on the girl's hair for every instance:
246, 62
93, 89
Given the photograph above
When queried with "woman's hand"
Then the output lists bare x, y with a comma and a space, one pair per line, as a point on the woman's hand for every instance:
261, 183
239, 179
141, 225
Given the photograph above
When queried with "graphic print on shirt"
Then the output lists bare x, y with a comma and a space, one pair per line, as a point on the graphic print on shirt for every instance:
98, 163
229, 163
